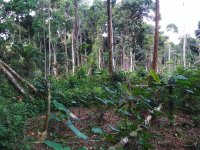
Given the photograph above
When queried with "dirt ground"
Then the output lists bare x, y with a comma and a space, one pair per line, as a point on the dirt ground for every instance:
183, 135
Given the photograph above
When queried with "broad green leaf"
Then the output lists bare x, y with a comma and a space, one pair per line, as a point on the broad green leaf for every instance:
98, 90
155, 76
76, 131
63, 108
106, 101
180, 77
56, 146
55, 117
189, 91
124, 112
82, 148
60, 106
113, 129
183, 82
109, 90
97, 130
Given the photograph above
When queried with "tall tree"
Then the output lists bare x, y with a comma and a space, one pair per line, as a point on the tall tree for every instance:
110, 36
75, 33
197, 34
130, 32
156, 37
174, 29
49, 27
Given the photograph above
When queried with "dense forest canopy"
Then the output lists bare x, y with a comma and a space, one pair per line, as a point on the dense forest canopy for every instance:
65, 60
25, 36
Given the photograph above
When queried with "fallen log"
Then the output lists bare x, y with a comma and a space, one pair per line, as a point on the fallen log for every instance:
17, 76
12, 80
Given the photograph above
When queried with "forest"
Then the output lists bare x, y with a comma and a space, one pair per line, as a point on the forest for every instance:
96, 75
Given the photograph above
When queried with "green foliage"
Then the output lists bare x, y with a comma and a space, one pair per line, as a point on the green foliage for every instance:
113, 129
139, 138
61, 107
12, 124
6, 89
56, 146
186, 89
126, 126
196, 120
141, 72
118, 77
82, 148
67, 116
172, 27
76, 131
155, 76
102, 92
14, 115
24, 43
97, 130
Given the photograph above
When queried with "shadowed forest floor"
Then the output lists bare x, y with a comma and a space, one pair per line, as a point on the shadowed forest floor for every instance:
182, 135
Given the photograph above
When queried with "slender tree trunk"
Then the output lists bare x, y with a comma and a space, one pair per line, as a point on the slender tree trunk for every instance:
78, 58
102, 60
66, 55
123, 58
156, 38
54, 67
40, 46
80, 55
122, 53
73, 56
77, 27
85, 56
169, 59
169, 54
113, 54
74, 34
110, 36
77, 52
20, 37
175, 62
44, 42
131, 61
48, 113
99, 58
147, 60
134, 62
45, 57
184, 56
113, 61
49, 17
199, 55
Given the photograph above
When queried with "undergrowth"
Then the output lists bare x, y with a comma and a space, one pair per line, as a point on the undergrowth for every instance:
177, 92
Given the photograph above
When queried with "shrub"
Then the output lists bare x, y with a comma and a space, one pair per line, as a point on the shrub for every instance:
12, 123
